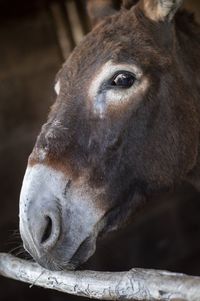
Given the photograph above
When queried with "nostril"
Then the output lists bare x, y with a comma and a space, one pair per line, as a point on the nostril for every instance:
47, 231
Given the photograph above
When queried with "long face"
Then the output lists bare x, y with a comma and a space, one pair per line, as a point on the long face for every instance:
112, 137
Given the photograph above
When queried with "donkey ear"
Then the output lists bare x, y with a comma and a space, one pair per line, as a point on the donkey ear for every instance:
98, 9
160, 10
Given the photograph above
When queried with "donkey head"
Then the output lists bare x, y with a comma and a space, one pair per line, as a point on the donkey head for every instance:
114, 134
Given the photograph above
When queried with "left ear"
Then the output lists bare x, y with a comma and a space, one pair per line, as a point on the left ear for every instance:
160, 10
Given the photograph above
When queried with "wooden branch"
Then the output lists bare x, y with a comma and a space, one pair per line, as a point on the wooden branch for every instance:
136, 284
63, 33
74, 20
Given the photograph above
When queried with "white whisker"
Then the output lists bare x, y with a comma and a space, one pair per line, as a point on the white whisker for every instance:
34, 282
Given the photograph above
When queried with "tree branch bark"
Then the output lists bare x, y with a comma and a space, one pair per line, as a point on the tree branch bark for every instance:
136, 284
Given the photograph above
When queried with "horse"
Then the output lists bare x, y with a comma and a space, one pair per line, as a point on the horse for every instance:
125, 125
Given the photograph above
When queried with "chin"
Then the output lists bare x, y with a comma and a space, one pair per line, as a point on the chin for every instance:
57, 261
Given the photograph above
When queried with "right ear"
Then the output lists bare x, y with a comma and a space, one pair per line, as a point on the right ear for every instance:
160, 10
98, 9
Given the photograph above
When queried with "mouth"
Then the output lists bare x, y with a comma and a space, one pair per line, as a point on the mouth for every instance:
120, 215
85, 250
112, 220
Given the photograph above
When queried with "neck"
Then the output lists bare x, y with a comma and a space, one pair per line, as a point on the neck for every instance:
188, 34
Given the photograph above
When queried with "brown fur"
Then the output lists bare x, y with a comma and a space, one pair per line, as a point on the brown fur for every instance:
157, 56
134, 151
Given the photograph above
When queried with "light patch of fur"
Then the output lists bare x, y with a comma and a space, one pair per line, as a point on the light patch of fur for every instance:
161, 10
41, 154
57, 87
121, 96
50, 134
116, 98
106, 72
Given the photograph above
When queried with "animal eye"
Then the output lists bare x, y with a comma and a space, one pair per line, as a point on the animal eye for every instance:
123, 80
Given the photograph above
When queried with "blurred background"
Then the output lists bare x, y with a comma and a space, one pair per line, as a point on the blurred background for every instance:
36, 36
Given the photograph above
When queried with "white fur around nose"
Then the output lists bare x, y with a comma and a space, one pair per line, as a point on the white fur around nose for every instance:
44, 184
41, 180
41, 184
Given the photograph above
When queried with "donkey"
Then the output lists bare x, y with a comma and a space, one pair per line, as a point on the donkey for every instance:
125, 125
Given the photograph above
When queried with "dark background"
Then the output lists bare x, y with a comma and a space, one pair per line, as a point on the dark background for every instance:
164, 235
